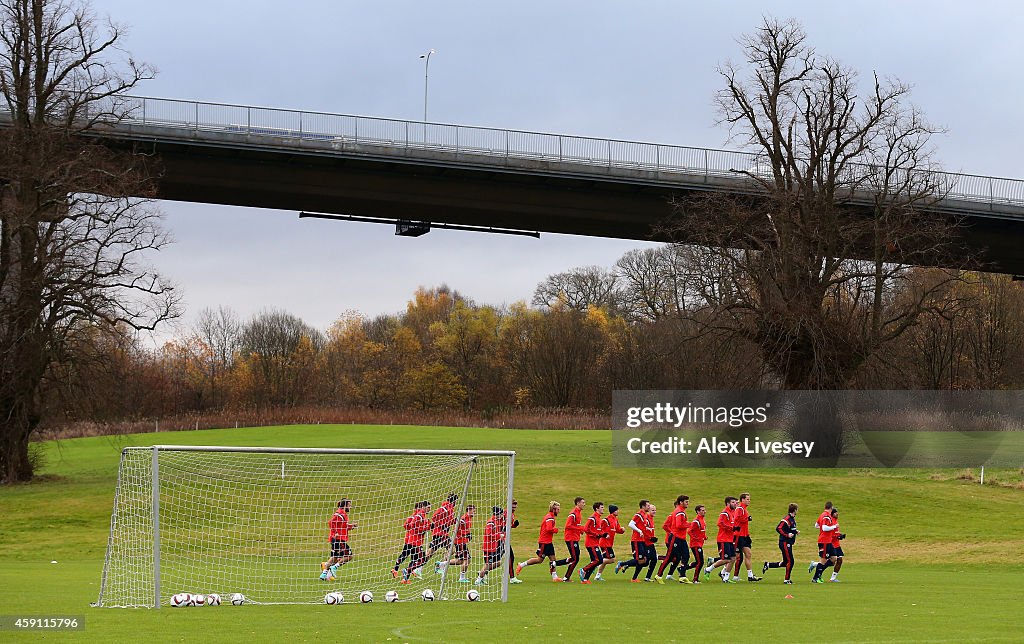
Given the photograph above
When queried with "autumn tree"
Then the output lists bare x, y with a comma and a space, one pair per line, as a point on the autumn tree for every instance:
73, 233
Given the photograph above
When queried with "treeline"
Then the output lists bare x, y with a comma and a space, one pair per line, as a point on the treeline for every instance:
586, 333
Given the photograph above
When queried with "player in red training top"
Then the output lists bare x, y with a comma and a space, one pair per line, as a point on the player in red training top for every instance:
416, 528
826, 513
743, 541
545, 545
460, 555
642, 527
573, 532
837, 548
609, 528
826, 526
698, 533
726, 545
441, 524
676, 554
494, 543
341, 553
787, 532
593, 528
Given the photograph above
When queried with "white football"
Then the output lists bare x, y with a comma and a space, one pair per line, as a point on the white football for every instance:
237, 599
472, 595
427, 595
199, 600
391, 596
333, 598
181, 599
365, 597
213, 599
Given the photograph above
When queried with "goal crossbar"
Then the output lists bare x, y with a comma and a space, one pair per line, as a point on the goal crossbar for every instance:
319, 450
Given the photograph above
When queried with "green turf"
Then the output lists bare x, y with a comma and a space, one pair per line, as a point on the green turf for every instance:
927, 560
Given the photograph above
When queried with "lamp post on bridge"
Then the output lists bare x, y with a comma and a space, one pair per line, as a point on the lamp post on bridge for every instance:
426, 80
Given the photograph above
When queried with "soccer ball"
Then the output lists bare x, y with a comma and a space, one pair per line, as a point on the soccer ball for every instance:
427, 595
333, 598
365, 597
213, 599
237, 599
391, 596
198, 600
472, 595
181, 599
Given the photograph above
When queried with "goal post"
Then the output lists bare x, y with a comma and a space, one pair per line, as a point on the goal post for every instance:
256, 521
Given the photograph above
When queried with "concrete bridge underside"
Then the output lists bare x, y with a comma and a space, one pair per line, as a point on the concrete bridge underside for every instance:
433, 187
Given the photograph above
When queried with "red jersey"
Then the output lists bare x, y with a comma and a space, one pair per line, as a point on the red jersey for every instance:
698, 532
641, 520
827, 514
835, 534
742, 518
464, 531
726, 523
649, 529
667, 525
339, 526
679, 523
610, 526
416, 527
574, 525
593, 530
547, 528
493, 535
443, 519
825, 536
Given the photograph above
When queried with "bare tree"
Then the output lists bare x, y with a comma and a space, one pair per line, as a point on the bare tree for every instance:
74, 233
813, 264
579, 289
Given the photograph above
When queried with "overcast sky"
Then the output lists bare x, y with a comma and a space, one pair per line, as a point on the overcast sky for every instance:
628, 70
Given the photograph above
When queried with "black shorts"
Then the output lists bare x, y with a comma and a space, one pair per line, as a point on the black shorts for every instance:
826, 550
440, 542
742, 542
461, 551
545, 550
837, 551
609, 553
493, 557
652, 552
340, 548
726, 549
639, 549
679, 551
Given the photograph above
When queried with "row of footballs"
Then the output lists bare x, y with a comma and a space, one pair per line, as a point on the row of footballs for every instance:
180, 600
366, 597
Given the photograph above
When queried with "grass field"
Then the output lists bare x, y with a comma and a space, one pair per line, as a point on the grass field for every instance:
929, 557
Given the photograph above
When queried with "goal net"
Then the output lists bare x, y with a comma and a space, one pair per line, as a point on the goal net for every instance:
263, 521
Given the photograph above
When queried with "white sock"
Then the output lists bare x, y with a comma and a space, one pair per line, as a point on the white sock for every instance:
835, 575
750, 574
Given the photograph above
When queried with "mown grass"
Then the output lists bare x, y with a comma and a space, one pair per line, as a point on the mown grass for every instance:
927, 560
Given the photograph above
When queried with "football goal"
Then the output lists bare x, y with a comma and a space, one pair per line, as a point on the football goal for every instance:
288, 526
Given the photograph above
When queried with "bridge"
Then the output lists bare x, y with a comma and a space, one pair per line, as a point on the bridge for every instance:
370, 167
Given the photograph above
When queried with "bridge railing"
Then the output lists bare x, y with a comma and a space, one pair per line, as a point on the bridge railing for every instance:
344, 131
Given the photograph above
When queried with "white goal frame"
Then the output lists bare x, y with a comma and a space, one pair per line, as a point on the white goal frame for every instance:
156, 450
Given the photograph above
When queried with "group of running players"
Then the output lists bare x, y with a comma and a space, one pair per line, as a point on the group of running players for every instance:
684, 542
